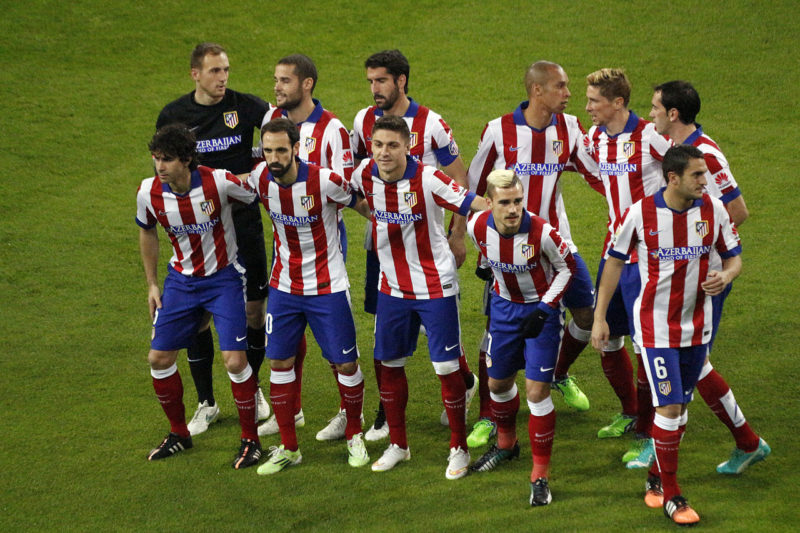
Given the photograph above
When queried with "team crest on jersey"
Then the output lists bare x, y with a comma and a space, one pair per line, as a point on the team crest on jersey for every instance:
307, 202
207, 207
628, 148
527, 251
453, 148
701, 227
558, 147
231, 119
311, 144
413, 140
410, 198
664, 387
488, 361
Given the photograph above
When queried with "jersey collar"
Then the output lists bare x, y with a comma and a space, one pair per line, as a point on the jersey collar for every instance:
411, 170
413, 107
633, 121
696, 134
519, 117
658, 198
302, 173
524, 227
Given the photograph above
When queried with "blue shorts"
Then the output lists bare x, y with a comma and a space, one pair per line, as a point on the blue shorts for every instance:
620, 309
397, 322
187, 298
329, 316
507, 351
673, 372
580, 292
716, 305
373, 268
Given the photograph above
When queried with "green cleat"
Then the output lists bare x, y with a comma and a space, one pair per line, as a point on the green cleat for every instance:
619, 425
279, 458
483, 430
573, 395
646, 456
740, 460
357, 455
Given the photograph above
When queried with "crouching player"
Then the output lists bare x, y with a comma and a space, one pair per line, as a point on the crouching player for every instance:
308, 284
193, 204
674, 233
532, 268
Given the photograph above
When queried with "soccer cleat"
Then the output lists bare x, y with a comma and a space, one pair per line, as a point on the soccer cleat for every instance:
270, 427
279, 458
620, 424
393, 455
740, 460
653, 493
336, 426
573, 395
677, 509
172, 444
202, 418
540, 493
493, 457
249, 454
262, 405
468, 399
646, 456
379, 430
483, 430
457, 463
357, 452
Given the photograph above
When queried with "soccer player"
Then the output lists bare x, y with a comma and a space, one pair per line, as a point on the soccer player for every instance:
675, 105
539, 142
432, 144
628, 151
418, 281
324, 141
532, 268
673, 232
223, 121
193, 204
308, 284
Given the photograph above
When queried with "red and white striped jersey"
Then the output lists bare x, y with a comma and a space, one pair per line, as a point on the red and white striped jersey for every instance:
629, 165
324, 141
198, 222
672, 310
431, 143
308, 256
408, 231
533, 265
538, 157
720, 181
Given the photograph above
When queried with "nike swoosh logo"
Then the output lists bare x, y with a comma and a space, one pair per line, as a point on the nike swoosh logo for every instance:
240, 339
652, 233
540, 435
513, 148
543, 369
371, 194
194, 129
448, 348
262, 287
345, 352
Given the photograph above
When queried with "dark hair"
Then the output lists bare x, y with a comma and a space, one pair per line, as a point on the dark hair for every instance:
393, 61
175, 140
392, 123
303, 67
201, 51
680, 95
677, 159
282, 124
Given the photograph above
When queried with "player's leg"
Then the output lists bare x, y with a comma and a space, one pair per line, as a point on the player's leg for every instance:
379, 429
200, 355
470, 381
485, 428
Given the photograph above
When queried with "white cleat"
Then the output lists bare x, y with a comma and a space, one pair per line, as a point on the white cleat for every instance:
393, 455
457, 463
336, 427
202, 418
262, 405
270, 427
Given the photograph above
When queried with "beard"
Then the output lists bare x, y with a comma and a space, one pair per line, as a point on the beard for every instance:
278, 171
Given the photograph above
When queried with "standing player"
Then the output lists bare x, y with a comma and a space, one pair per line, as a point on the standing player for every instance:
308, 284
532, 267
193, 204
223, 122
673, 233
432, 144
675, 105
539, 142
628, 151
325, 142
418, 282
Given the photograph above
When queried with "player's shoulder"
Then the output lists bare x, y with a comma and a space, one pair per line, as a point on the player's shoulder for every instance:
362, 115
145, 186
176, 110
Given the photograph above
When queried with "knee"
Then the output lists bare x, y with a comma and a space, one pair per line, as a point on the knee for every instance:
160, 360
583, 317
235, 361
347, 368
537, 391
281, 364
255, 314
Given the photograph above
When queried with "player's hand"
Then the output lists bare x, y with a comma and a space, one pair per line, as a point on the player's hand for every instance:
154, 300
715, 283
533, 323
458, 248
484, 273
600, 334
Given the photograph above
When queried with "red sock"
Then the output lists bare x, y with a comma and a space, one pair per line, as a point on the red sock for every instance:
571, 348
505, 415
644, 401
299, 357
715, 391
453, 396
394, 396
336, 377
483, 387
619, 372
169, 392
282, 397
244, 394
541, 430
351, 396
666, 445
463, 366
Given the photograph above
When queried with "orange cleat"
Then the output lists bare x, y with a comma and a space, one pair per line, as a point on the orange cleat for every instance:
677, 509
653, 493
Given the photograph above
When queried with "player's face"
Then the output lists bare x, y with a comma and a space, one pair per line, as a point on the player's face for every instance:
288, 89
693, 181
555, 92
658, 114
279, 153
385, 88
170, 169
600, 108
211, 79
506, 206
389, 150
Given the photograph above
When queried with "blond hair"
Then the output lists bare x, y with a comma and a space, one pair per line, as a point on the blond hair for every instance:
501, 179
612, 83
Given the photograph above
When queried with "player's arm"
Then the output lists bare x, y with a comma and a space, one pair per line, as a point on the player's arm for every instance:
458, 171
362, 207
717, 280
612, 270
737, 209
148, 248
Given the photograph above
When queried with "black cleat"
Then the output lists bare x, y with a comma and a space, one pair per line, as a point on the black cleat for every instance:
249, 454
493, 457
172, 444
540, 493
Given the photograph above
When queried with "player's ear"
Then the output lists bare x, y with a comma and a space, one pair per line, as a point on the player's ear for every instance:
195, 72
296, 149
